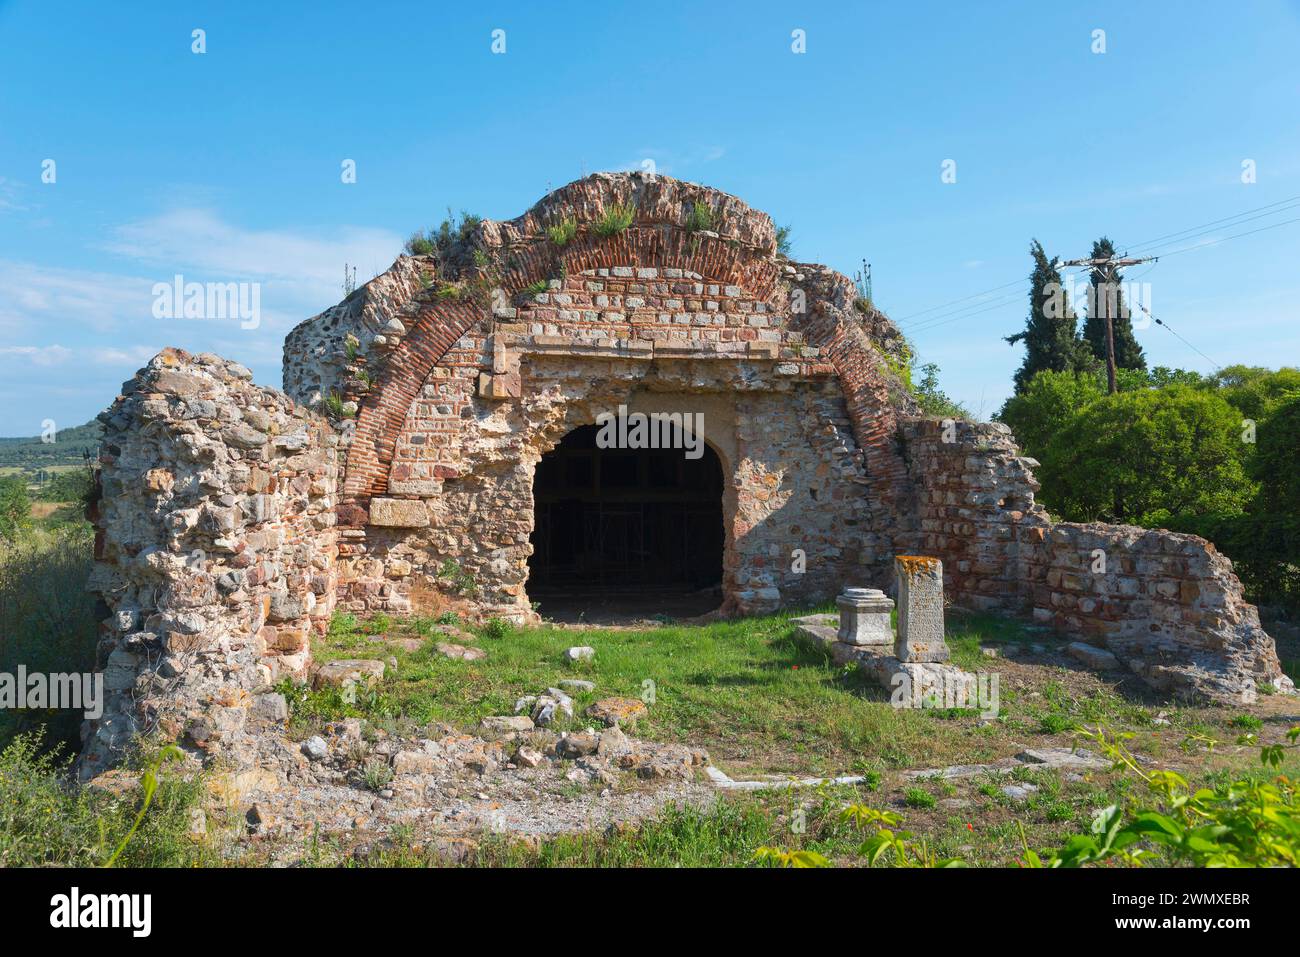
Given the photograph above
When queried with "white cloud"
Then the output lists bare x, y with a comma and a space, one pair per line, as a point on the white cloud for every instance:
132, 356
310, 265
40, 297
36, 355
104, 324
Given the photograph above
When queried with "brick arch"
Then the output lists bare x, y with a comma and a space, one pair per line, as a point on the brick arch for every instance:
438, 326
828, 324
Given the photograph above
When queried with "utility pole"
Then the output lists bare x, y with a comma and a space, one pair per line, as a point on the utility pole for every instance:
1109, 269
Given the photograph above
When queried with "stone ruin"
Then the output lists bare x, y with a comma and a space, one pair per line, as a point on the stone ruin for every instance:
910, 662
439, 422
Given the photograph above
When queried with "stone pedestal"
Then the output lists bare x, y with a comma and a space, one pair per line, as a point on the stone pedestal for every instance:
864, 617
920, 609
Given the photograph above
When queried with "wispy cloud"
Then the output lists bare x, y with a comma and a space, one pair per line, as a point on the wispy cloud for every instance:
37, 355
42, 298
199, 239
100, 323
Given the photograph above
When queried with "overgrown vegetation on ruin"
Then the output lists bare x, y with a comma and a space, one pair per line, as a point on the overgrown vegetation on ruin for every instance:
562, 232
47, 618
616, 218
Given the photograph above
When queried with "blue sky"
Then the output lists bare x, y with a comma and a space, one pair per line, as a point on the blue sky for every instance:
225, 166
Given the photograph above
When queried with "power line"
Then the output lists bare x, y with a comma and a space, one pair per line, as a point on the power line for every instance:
1216, 242
1136, 246
1165, 325
962, 299
1213, 222
944, 322
1149, 247
974, 309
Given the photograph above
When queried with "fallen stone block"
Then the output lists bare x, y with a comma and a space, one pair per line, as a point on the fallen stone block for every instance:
1063, 758
1096, 658
336, 674
461, 652
508, 722
615, 711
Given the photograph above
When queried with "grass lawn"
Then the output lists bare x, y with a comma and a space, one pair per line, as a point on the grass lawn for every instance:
746, 690
762, 703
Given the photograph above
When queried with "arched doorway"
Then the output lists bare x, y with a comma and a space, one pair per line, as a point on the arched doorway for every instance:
625, 533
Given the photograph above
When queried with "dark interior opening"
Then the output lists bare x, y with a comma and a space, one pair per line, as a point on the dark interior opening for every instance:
625, 533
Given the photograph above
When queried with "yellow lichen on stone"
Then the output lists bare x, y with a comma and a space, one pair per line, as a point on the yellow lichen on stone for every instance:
913, 564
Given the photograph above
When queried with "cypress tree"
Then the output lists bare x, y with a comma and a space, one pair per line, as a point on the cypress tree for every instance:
1050, 335
1128, 354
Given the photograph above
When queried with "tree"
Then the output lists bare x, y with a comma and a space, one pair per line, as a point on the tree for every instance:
1106, 297
1047, 406
1051, 335
1255, 391
1142, 457
15, 507
1276, 456
933, 400
1162, 376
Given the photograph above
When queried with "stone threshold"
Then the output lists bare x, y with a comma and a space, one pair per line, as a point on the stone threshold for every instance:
1031, 758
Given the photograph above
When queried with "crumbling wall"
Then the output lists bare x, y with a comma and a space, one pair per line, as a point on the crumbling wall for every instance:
477, 341
793, 479
318, 360
1166, 604
214, 551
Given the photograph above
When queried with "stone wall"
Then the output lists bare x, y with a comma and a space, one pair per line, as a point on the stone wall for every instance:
459, 390
1166, 604
214, 555
793, 479
317, 358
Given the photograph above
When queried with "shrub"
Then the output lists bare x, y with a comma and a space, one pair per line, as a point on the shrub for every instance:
44, 821
700, 217
15, 506
1047, 406
496, 628
617, 218
783, 241
1246, 821
72, 486
918, 797
460, 581
1142, 457
562, 233
336, 407
377, 775
47, 618
420, 245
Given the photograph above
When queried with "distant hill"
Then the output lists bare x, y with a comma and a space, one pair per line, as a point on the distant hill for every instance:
68, 448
